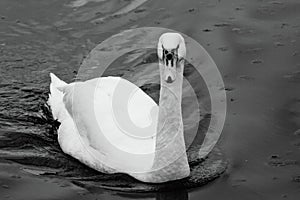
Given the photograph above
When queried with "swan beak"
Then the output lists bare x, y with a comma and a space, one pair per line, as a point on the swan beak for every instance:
170, 61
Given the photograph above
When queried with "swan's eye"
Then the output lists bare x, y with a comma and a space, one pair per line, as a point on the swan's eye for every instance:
166, 52
179, 59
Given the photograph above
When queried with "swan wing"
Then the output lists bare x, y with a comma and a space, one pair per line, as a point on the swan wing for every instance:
116, 121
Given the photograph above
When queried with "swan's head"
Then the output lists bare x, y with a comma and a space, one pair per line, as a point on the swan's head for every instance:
171, 54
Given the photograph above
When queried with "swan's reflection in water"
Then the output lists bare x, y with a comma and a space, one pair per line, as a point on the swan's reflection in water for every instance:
172, 193
176, 194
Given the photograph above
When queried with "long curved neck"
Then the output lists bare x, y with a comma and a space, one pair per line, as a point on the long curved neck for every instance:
170, 160
169, 115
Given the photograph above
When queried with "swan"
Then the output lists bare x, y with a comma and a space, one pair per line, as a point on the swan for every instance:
112, 126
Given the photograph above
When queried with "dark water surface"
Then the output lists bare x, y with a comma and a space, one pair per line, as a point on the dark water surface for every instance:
255, 44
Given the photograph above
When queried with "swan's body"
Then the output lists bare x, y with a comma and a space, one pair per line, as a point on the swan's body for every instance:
112, 126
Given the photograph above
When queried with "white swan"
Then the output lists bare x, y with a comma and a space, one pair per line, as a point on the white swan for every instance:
112, 126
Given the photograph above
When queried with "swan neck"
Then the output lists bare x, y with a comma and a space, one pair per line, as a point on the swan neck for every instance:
170, 100
170, 160
169, 139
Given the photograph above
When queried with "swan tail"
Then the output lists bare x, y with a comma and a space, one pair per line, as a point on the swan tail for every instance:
56, 95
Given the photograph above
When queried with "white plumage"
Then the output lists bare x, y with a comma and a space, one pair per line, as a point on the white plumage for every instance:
110, 125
